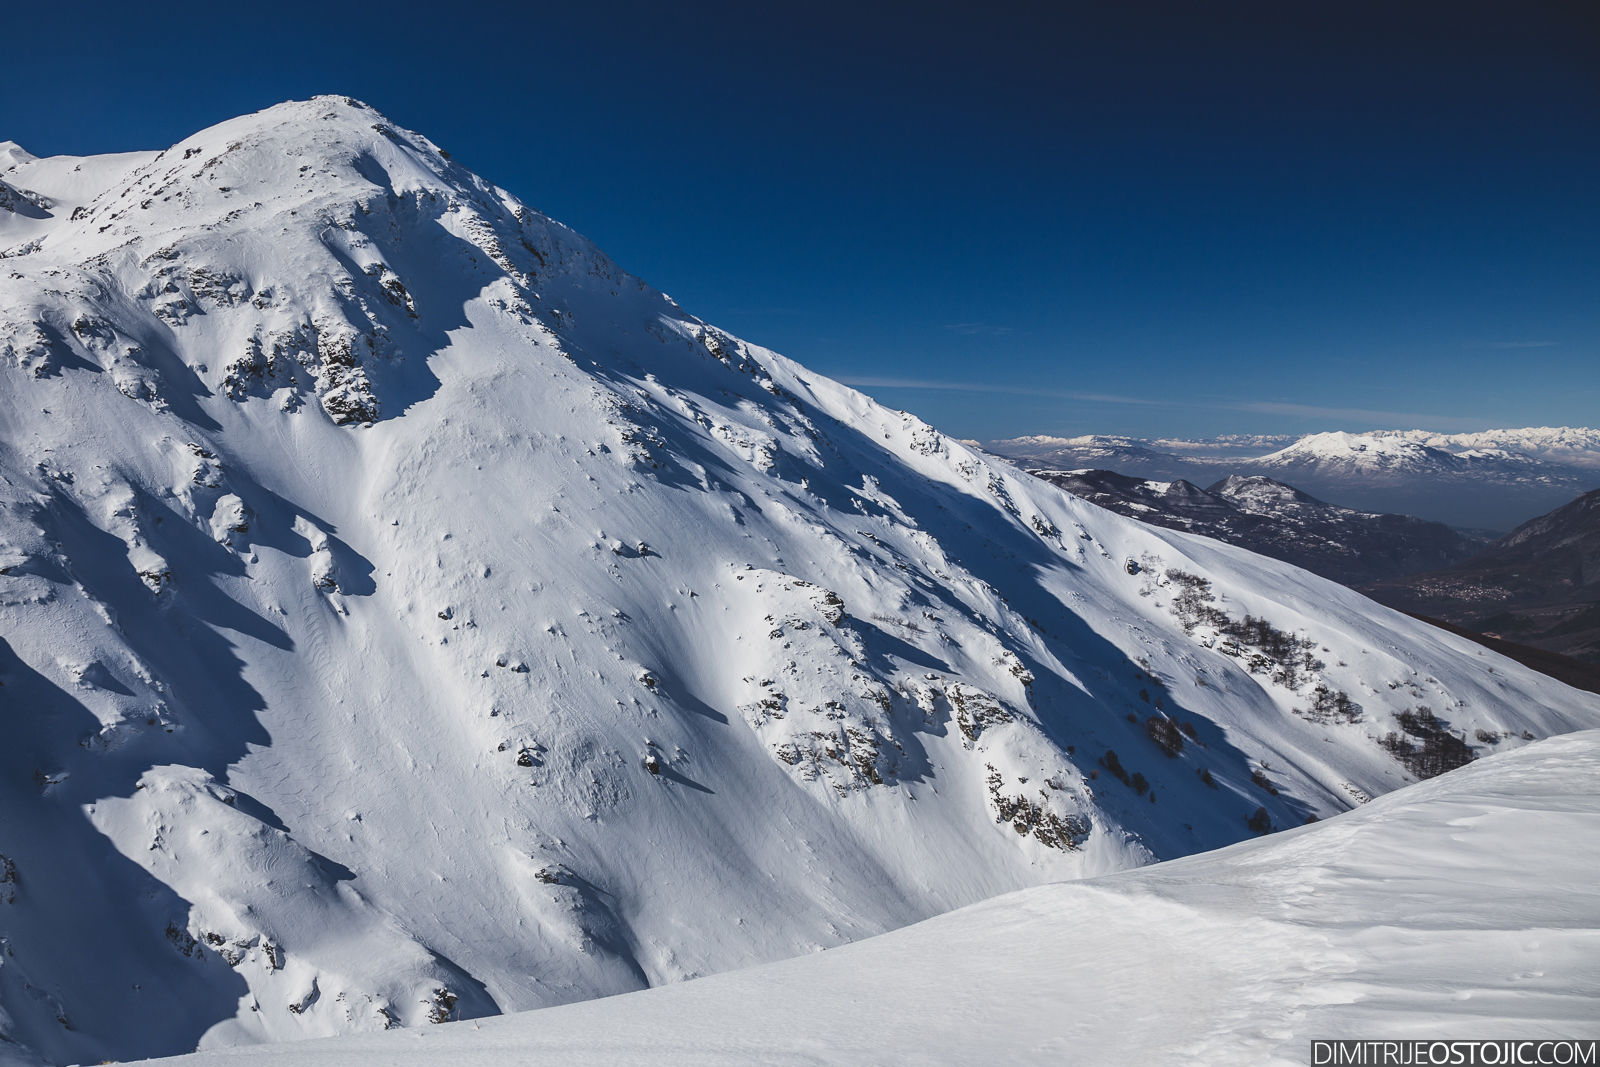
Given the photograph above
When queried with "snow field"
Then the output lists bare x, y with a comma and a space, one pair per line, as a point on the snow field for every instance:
1464, 907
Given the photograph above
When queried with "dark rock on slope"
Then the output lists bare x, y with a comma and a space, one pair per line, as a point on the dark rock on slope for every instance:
1278, 520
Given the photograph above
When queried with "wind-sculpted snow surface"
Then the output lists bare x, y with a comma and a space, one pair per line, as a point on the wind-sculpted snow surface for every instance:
1464, 908
406, 615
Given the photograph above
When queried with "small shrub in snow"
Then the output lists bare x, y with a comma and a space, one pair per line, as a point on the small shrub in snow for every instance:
1286, 657
1166, 734
1436, 749
1192, 604
1111, 763
1260, 822
1329, 706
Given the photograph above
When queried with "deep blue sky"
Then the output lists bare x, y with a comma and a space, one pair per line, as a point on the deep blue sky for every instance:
1153, 218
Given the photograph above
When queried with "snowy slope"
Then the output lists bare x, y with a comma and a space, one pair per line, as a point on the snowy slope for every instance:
1465, 907
407, 614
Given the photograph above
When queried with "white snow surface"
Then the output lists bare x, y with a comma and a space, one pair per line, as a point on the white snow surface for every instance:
1465, 907
1366, 455
407, 614
1574, 446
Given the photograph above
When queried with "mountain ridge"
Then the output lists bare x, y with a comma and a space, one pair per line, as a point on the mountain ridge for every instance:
1277, 520
409, 614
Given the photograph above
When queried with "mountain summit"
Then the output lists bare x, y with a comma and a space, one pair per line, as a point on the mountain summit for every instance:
408, 614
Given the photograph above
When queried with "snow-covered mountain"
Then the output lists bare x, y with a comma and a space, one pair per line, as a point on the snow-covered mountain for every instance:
1573, 446
1227, 447
1379, 459
1480, 487
1461, 908
1487, 481
407, 614
1278, 520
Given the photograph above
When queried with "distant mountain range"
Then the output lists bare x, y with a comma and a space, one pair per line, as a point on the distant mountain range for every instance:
1278, 520
1538, 585
1490, 481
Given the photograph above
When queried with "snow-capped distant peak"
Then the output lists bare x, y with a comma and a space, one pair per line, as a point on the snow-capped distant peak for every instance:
1489, 481
1338, 445
1086, 440
1575, 446
1383, 457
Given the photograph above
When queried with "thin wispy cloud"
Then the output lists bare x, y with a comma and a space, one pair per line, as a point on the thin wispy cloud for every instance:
1402, 419
985, 387
971, 328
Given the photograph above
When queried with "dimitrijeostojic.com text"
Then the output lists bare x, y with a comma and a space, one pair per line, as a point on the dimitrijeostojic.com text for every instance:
1470, 1053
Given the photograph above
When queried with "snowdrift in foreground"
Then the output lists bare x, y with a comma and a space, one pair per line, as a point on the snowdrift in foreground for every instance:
406, 614
1463, 907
